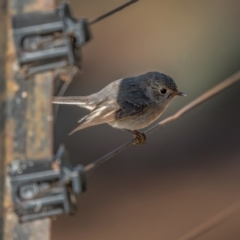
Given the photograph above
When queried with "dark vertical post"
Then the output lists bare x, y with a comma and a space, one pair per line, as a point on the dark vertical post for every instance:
26, 128
2, 114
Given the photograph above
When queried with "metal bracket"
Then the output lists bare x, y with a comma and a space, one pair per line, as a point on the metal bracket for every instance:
45, 188
49, 40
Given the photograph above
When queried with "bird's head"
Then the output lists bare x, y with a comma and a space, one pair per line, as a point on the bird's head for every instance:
162, 87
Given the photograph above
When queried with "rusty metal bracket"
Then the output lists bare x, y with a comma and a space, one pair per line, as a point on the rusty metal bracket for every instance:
45, 188
49, 40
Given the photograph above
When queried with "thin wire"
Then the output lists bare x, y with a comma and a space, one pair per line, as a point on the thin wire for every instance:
201, 99
213, 222
70, 75
97, 19
222, 216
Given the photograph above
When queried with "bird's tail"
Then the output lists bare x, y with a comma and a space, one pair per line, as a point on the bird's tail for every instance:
81, 101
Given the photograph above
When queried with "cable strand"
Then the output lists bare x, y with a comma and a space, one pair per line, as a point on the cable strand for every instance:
213, 222
199, 100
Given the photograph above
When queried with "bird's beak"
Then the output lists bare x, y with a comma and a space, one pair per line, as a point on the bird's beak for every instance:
181, 94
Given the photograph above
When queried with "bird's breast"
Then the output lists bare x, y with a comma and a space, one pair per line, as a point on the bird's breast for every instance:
140, 120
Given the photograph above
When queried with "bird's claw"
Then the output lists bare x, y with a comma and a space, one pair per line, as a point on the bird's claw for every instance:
140, 138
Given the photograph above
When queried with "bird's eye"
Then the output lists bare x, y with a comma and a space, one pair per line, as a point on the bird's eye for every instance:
163, 90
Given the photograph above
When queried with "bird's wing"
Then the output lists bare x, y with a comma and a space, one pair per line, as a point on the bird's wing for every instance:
102, 113
132, 103
131, 100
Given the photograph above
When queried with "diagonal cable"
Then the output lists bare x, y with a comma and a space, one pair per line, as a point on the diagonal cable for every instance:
213, 222
201, 99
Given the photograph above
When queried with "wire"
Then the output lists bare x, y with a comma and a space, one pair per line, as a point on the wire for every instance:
220, 217
97, 19
213, 222
201, 99
63, 78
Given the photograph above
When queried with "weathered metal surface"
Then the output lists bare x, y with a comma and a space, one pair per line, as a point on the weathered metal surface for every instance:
28, 125
2, 116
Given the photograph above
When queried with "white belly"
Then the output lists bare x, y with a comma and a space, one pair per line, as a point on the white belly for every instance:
139, 121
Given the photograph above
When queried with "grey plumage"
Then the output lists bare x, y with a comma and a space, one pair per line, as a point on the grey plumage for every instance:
130, 103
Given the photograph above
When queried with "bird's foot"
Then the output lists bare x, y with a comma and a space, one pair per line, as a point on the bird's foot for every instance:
140, 138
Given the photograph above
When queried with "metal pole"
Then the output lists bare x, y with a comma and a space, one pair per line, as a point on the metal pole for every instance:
26, 123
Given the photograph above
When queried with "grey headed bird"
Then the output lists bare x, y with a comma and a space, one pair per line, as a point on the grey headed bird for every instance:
131, 103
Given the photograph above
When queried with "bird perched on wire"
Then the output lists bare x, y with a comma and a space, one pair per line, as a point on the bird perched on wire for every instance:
129, 104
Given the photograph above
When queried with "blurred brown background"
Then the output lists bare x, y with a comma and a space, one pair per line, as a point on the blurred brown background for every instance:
188, 171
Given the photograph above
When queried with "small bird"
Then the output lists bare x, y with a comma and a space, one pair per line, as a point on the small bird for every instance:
129, 104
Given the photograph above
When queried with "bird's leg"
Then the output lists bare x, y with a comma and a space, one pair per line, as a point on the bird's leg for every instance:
141, 137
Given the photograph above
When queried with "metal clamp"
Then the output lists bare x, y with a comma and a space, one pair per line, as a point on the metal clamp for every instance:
49, 40
45, 188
